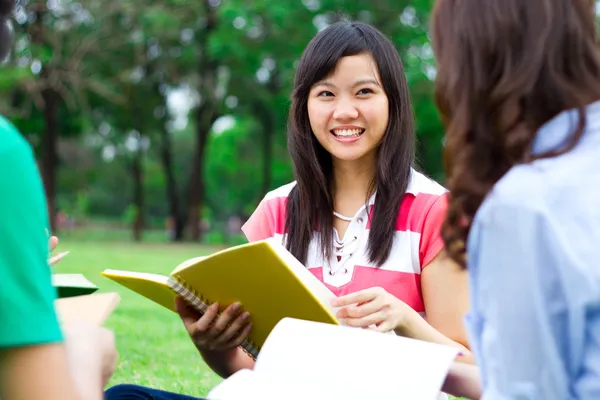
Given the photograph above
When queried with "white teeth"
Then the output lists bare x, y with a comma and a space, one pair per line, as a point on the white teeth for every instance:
347, 132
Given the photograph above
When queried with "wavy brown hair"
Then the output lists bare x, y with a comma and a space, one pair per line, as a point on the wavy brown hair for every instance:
505, 68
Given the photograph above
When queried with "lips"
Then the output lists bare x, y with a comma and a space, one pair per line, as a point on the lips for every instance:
347, 132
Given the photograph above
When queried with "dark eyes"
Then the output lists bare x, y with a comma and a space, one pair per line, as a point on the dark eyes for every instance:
361, 92
325, 94
364, 91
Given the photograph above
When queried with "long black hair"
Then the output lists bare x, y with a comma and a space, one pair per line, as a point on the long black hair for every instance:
310, 203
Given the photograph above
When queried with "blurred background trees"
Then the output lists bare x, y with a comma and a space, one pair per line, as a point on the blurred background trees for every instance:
166, 119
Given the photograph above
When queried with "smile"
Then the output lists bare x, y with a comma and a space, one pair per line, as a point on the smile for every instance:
347, 133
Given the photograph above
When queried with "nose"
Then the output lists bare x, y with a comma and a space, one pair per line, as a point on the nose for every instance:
345, 109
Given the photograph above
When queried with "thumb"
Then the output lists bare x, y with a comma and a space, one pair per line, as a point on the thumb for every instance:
53, 242
188, 314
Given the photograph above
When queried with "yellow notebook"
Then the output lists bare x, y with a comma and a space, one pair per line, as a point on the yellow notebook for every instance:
263, 276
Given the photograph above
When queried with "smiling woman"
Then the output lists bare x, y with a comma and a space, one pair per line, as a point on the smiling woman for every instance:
358, 216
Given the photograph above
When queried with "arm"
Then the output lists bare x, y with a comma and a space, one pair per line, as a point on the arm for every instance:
445, 295
76, 371
47, 366
463, 381
28, 353
227, 363
31, 343
444, 288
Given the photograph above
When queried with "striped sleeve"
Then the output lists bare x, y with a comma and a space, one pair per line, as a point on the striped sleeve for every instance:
431, 242
268, 220
261, 224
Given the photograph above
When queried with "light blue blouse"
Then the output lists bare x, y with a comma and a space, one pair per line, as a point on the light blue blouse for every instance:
534, 270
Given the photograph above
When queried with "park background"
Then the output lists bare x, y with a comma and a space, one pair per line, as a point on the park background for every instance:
159, 126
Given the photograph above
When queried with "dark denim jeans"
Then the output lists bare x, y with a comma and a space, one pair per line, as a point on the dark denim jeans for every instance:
134, 392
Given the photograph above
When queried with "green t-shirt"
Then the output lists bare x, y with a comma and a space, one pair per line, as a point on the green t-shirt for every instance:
27, 313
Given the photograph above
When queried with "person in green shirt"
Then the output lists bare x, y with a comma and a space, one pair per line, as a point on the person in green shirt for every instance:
26, 288
71, 362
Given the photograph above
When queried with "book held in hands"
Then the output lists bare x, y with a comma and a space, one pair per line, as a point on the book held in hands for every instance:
269, 282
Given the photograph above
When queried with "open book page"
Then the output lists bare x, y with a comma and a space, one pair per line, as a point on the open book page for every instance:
319, 290
152, 286
187, 263
350, 363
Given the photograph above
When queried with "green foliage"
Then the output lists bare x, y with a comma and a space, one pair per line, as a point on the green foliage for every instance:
130, 214
113, 72
233, 176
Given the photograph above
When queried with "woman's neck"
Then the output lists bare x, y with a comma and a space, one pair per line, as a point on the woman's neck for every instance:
352, 181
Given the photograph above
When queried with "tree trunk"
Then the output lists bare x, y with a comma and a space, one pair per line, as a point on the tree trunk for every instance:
166, 157
204, 120
137, 166
206, 114
138, 193
49, 153
49, 156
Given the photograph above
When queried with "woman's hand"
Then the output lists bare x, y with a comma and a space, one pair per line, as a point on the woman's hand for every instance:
92, 355
373, 308
52, 243
212, 332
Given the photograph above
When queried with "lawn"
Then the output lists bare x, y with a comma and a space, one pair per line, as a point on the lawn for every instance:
154, 349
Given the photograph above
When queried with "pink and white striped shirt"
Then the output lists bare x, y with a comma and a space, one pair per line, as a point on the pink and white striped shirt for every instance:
417, 242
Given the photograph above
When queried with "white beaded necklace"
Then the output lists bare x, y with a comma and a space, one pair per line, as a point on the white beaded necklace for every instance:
342, 217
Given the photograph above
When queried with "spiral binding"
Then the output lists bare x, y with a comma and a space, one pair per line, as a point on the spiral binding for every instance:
201, 304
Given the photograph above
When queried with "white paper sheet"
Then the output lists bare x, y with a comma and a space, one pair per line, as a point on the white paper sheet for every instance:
309, 360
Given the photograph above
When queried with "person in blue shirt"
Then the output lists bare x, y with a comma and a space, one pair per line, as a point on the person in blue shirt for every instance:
518, 87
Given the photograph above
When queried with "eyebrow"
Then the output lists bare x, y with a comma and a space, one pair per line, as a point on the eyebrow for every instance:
357, 83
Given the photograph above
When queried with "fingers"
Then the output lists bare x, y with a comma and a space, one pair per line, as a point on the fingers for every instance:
212, 331
224, 320
233, 333
361, 296
188, 314
364, 322
53, 242
241, 336
362, 310
201, 326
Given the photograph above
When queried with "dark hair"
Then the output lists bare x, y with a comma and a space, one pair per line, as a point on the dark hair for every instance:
6, 7
310, 203
505, 68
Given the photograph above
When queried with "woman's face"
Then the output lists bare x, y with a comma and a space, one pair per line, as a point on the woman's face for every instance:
348, 110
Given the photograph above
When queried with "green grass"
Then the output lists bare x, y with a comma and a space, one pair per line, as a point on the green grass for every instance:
154, 349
